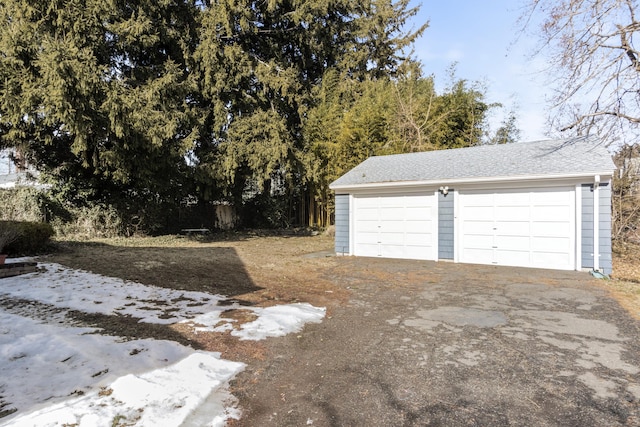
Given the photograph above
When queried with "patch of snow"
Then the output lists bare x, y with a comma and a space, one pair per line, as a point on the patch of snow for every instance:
54, 373
165, 396
43, 362
67, 288
273, 321
279, 320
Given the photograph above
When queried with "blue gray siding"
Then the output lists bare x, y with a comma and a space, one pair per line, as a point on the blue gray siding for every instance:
342, 224
587, 226
445, 225
604, 227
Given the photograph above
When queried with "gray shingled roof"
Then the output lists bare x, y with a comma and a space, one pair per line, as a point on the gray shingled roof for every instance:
518, 160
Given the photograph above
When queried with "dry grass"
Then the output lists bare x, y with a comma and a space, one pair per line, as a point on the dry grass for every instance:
626, 262
625, 283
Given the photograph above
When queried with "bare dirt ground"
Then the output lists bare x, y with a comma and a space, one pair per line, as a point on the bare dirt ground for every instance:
404, 342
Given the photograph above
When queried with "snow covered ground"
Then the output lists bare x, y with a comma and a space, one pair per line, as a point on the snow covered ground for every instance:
54, 373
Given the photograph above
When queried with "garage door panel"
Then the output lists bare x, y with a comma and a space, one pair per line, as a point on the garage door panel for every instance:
550, 260
417, 201
392, 227
551, 229
368, 249
479, 241
418, 213
418, 225
394, 201
508, 213
479, 213
479, 227
551, 244
368, 237
419, 239
367, 214
391, 214
413, 252
390, 238
550, 197
511, 199
550, 213
367, 202
511, 242
513, 228
512, 258
392, 251
478, 255
368, 227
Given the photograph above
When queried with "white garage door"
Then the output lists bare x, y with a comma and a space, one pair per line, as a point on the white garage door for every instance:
395, 226
527, 228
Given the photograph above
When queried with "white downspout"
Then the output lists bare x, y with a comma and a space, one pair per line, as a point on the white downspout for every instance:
457, 233
596, 223
435, 229
352, 232
578, 233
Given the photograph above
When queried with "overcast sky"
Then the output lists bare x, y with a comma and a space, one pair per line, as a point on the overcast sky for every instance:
482, 38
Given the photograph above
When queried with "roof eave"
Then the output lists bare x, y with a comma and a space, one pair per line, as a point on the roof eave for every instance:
480, 180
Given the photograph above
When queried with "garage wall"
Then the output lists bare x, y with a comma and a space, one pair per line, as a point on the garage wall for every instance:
445, 225
342, 224
604, 223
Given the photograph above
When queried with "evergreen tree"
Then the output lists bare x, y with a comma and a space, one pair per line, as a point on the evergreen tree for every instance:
260, 63
97, 94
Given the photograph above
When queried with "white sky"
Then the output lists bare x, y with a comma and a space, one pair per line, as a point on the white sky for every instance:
55, 373
482, 38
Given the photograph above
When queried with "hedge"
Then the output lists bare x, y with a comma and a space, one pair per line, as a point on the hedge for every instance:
34, 237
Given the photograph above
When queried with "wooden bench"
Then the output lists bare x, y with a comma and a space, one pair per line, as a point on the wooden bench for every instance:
17, 268
190, 231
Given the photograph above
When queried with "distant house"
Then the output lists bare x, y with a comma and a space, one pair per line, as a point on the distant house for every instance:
544, 204
12, 175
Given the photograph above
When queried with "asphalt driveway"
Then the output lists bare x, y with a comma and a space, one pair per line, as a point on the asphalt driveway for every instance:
424, 343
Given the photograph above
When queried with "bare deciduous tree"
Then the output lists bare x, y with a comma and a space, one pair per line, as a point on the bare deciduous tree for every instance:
594, 63
625, 199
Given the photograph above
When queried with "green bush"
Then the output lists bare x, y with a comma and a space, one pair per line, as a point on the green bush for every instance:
33, 237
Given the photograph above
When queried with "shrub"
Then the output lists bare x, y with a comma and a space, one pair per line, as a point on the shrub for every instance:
32, 238
23, 204
90, 221
8, 234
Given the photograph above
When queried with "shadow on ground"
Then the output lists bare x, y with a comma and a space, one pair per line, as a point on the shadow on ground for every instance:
210, 269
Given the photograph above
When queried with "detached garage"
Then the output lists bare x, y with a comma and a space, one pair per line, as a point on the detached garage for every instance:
544, 204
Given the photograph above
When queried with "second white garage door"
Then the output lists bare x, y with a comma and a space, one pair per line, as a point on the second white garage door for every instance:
526, 228
396, 226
